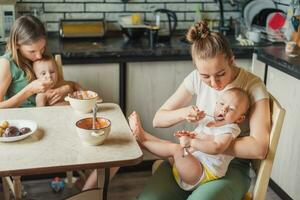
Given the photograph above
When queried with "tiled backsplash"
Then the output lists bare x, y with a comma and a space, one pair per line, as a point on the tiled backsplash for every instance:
54, 10
186, 10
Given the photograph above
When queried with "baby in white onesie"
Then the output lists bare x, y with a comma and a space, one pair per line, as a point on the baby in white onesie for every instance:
198, 158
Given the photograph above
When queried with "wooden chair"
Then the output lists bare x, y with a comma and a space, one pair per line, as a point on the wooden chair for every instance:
262, 168
58, 61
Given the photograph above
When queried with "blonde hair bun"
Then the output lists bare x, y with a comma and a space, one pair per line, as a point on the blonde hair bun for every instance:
198, 31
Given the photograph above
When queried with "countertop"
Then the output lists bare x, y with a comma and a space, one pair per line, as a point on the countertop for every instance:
117, 49
276, 57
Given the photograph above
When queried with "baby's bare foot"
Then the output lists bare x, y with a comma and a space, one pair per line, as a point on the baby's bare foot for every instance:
136, 127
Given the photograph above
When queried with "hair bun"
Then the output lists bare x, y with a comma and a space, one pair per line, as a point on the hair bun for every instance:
198, 31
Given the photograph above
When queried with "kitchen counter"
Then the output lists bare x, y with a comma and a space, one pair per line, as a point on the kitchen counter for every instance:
276, 57
117, 49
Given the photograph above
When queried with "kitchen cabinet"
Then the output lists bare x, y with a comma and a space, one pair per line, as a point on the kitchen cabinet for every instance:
285, 173
244, 63
258, 68
150, 84
101, 78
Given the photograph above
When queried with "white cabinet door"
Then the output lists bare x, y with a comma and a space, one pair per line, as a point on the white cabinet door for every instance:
286, 167
149, 85
101, 78
258, 67
244, 63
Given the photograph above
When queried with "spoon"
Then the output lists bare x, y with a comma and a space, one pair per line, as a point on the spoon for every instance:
94, 115
210, 116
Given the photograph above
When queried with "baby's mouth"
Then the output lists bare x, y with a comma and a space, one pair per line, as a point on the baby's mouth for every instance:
219, 117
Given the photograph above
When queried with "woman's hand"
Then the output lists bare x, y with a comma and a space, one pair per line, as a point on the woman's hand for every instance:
39, 86
193, 114
58, 94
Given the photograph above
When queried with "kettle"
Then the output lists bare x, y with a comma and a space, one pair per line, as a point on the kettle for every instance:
165, 29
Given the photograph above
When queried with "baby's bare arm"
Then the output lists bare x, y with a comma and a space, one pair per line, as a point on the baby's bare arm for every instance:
41, 99
75, 86
212, 144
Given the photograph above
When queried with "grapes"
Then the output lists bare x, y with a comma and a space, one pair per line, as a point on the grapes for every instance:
13, 131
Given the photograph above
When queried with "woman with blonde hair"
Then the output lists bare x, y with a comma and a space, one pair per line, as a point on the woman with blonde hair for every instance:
215, 72
18, 84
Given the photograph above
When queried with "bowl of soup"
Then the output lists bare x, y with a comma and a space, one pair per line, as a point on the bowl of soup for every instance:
90, 135
83, 101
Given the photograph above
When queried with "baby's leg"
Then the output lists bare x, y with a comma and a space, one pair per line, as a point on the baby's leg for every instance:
155, 145
189, 168
41, 99
138, 131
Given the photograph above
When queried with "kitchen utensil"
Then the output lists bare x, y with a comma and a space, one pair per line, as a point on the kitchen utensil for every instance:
295, 23
254, 7
254, 36
132, 31
133, 19
260, 18
91, 136
95, 108
210, 116
290, 47
83, 105
73, 28
7, 18
153, 36
166, 20
276, 21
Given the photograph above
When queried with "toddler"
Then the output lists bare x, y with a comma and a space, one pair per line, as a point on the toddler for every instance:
198, 158
46, 69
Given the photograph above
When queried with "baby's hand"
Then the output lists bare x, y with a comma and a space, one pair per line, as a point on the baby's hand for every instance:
185, 141
185, 137
185, 133
194, 114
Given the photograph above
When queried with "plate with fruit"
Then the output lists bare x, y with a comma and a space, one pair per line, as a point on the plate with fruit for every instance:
15, 130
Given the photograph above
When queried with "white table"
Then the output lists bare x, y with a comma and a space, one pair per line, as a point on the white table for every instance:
55, 146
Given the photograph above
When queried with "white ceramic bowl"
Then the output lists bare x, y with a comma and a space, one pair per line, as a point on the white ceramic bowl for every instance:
91, 136
254, 36
83, 101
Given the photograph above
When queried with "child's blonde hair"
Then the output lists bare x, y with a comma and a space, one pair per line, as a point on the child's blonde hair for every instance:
207, 44
25, 31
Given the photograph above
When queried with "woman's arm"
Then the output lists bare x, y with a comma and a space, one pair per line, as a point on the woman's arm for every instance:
5, 81
175, 109
254, 146
33, 87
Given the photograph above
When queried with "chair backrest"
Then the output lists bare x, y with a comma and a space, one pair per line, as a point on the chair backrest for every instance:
263, 168
59, 67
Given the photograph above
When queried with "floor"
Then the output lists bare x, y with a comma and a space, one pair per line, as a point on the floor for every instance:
124, 186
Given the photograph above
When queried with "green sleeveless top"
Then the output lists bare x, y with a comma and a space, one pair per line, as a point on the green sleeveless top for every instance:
19, 81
